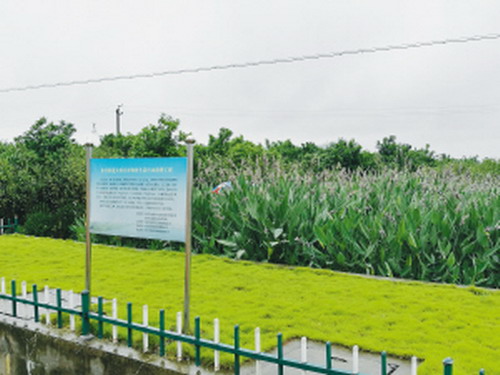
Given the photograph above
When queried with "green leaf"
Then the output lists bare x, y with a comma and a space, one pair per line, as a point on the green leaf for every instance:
411, 241
270, 251
321, 235
401, 233
451, 260
340, 258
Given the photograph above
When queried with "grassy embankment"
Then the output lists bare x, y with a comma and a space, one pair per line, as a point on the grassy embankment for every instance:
430, 321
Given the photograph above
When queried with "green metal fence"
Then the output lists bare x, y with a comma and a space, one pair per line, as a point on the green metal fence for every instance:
239, 353
9, 226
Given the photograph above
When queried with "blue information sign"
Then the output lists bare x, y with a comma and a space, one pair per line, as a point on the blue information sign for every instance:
143, 198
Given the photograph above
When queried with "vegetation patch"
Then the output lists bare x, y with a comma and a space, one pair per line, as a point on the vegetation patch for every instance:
423, 225
398, 212
430, 321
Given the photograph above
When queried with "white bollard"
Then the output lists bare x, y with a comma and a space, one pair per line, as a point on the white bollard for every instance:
46, 299
145, 322
24, 290
303, 352
179, 331
71, 301
355, 359
114, 314
258, 349
216, 340
414, 365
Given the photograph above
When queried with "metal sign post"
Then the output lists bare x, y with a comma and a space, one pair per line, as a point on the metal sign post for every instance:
187, 269
88, 244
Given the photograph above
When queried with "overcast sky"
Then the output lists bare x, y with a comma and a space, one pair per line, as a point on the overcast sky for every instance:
446, 96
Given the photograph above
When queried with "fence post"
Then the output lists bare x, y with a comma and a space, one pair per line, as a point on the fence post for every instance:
129, 324
35, 303
216, 340
197, 334
16, 223
355, 359
114, 312
162, 328
24, 290
481, 372
280, 354
179, 331
100, 314
13, 292
59, 307
328, 354
1, 226
236, 350
2, 285
46, 299
414, 364
448, 366
71, 301
145, 322
257, 349
85, 313
303, 351
383, 363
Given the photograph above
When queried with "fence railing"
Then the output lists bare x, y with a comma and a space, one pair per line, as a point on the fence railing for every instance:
87, 316
8, 226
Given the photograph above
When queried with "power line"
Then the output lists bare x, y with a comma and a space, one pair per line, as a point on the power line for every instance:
284, 60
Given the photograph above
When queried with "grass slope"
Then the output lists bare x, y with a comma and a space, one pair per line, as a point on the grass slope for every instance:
430, 321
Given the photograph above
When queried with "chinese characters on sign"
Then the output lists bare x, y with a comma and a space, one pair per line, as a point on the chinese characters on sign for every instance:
144, 198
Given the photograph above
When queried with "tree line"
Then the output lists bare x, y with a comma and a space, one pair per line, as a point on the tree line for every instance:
42, 172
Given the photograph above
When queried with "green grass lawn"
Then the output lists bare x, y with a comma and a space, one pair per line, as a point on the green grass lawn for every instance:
431, 321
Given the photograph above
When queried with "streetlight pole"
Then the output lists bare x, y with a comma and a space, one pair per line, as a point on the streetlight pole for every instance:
118, 112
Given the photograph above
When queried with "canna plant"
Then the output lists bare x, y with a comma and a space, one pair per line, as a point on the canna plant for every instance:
425, 225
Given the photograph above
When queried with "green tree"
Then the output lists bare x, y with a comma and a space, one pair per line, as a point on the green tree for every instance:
285, 150
219, 145
48, 186
115, 146
229, 150
346, 154
402, 155
160, 140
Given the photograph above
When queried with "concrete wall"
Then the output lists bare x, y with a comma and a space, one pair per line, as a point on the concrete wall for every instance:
24, 351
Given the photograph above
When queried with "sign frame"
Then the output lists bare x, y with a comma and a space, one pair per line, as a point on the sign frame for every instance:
187, 232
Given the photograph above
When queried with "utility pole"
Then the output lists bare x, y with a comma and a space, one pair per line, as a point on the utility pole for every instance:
118, 112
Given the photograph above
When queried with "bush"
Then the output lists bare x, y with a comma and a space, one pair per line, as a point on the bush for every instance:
44, 223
